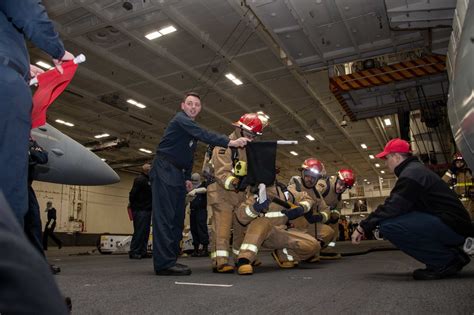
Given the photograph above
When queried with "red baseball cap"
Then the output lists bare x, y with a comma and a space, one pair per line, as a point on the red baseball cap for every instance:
396, 145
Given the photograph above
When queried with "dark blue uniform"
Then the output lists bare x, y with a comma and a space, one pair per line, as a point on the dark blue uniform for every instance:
140, 202
171, 168
19, 19
33, 228
26, 283
198, 219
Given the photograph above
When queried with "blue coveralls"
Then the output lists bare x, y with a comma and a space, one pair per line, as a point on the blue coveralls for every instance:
19, 19
171, 168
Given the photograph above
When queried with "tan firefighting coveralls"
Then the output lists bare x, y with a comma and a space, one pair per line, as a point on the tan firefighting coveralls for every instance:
327, 190
270, 230
324, 231
223, 200
462, 184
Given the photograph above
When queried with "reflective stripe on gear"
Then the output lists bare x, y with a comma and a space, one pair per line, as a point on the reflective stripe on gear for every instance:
274, 214
461, 184
220, 253
306, 205
250, 247
249, 212
228, 183
235, 251
325, 215
336, 211
285, 251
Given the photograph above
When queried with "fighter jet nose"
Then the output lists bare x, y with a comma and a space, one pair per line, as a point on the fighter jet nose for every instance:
69, 162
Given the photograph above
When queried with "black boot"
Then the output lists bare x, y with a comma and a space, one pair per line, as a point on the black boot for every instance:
196, 251
204, 251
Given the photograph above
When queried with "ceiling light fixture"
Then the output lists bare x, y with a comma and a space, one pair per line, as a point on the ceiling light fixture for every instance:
371, 157
60, 121
363, 146
233, 78
153, 35
145, 150
294, 153
377, 165
164, 31
387, 122
135, 103
167, 30
104, 135
383, 172
310, 137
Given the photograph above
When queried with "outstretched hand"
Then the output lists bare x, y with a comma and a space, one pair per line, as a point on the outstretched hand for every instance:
239, 143
58, 62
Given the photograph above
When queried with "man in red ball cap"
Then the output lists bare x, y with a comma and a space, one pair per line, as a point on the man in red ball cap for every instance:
422, 216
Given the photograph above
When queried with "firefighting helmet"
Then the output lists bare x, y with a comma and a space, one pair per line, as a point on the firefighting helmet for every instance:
347, 177
313, 167
457, 157
253, 122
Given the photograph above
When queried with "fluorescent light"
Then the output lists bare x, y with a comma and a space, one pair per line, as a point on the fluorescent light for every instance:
377, 165
368, 183
101, 135
383, 172
135, 103
103, 159
153, 35
167, 30
363, 145
230, 76
233, 78
145, 150
294, 153
310, 137
60, 121
43, 64
365, 179
237, 82
387, 122
371, 157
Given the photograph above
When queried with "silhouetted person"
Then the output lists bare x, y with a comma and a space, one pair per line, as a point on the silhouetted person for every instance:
50, 226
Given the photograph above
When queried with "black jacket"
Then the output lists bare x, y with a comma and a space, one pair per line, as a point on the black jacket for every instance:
200, 201
140, 195
420, 189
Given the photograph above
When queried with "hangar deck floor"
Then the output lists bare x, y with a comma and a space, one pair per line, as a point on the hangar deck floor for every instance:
375, 283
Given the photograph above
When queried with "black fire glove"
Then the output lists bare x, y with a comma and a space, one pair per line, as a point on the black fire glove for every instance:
313, 218
293, 213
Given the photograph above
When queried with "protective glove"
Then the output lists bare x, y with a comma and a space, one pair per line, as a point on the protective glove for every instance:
261, 207
453, 169
333, 218
293, 213
313, 218
192, 193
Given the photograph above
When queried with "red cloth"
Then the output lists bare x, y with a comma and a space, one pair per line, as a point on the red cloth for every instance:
50, 85
130, 213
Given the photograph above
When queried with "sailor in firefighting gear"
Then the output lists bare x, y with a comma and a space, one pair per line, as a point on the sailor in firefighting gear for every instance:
266, 224
459, 178
226, 194
331, 190
312, 170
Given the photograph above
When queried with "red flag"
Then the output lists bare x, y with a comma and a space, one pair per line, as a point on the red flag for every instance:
50, 85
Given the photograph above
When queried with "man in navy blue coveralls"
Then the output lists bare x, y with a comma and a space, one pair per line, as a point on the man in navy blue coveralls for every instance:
20, 20
171, 177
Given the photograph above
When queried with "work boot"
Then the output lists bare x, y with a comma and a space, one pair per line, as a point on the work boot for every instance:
282, 264
469, 246
196, 251
447, 271
204, 252
244, 267
329, 256
55, 269
68, 302
313, 259
225, 268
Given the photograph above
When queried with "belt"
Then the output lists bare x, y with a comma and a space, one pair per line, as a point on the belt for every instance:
9, 63
168, 159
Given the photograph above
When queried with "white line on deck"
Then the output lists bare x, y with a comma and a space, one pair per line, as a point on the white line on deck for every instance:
205, 284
